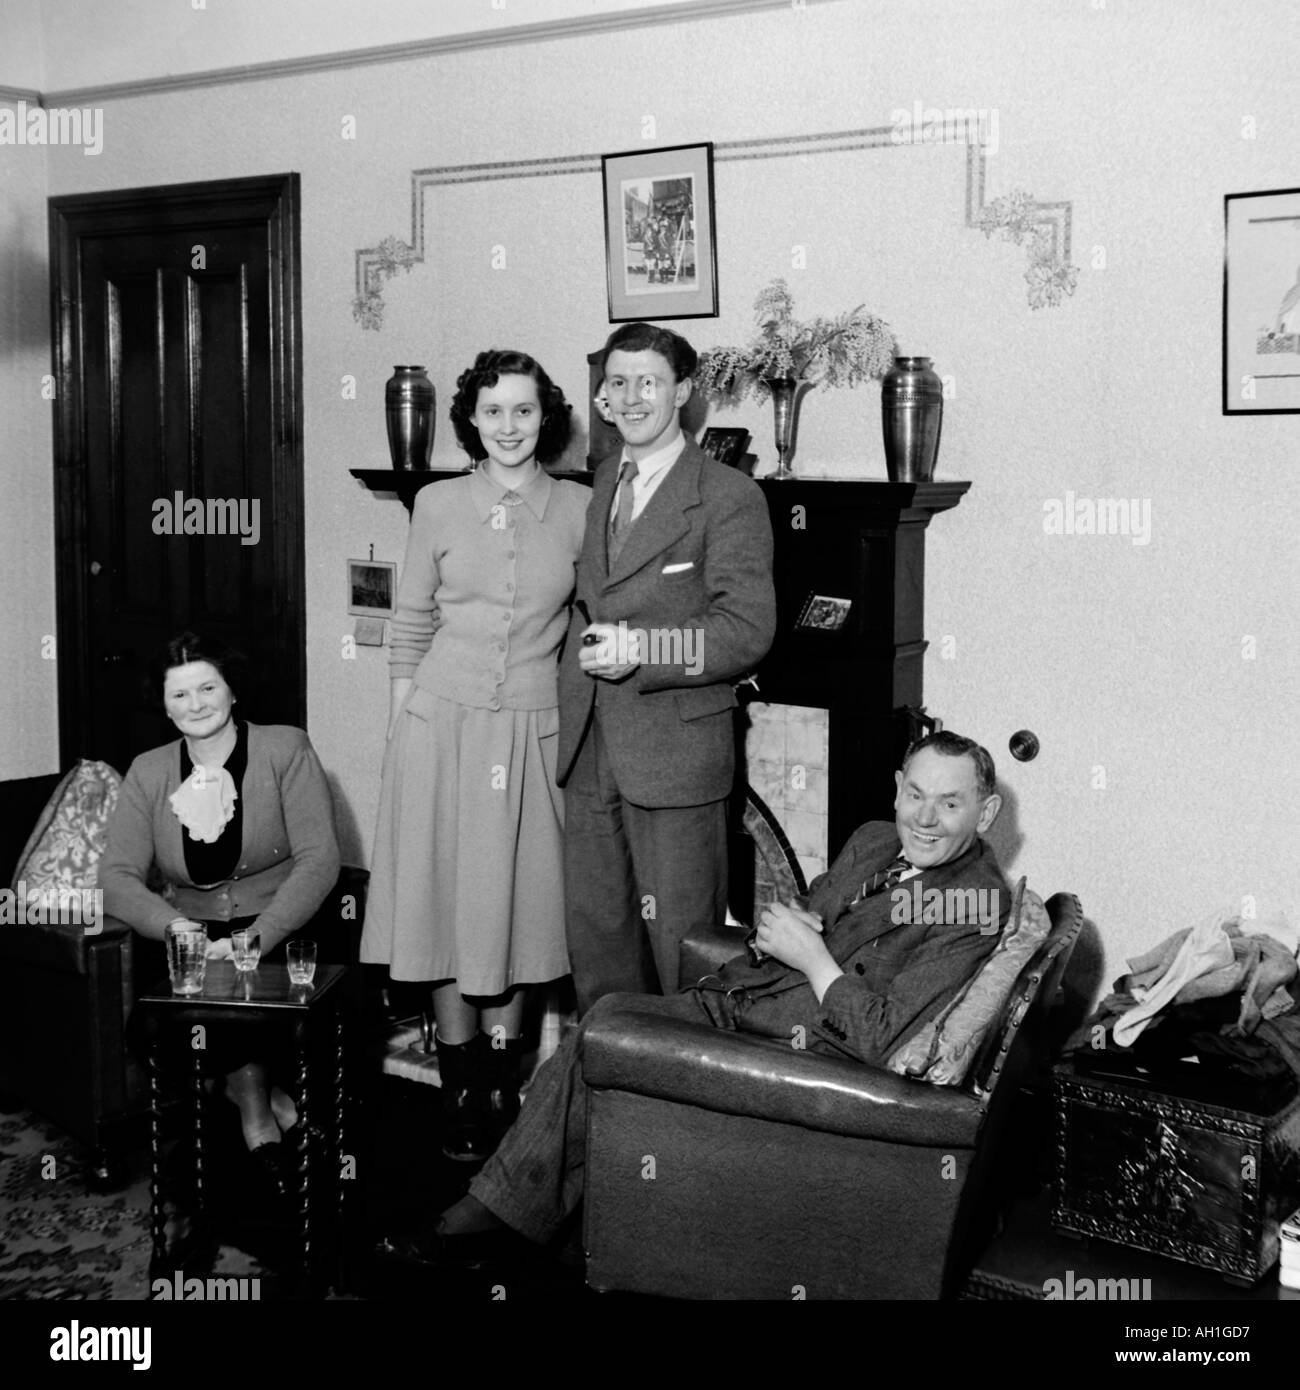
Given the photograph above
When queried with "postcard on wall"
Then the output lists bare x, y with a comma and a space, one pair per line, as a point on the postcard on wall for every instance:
660, 253
372, 586
1261, 303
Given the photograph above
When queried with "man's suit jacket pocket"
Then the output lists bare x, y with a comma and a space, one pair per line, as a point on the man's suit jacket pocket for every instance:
704, 699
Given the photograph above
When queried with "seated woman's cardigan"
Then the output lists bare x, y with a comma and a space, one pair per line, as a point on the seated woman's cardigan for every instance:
290, 857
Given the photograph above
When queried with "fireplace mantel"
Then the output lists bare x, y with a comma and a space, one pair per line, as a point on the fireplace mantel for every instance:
863, 541
840, 538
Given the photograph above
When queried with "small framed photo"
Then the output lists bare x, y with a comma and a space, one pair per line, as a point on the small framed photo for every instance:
661, 259
727, 446
1261, 303
823, 613
372, 588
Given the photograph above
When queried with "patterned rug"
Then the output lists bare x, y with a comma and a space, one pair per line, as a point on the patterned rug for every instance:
59, 1240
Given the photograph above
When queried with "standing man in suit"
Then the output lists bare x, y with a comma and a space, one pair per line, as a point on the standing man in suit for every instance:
674, 603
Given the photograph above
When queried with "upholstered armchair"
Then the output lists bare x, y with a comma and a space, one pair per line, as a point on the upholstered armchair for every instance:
722, 1165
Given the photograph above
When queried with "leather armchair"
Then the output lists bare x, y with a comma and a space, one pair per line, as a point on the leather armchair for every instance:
721, 1165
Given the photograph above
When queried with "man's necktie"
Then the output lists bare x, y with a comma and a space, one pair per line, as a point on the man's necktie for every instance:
886, 878
621, 523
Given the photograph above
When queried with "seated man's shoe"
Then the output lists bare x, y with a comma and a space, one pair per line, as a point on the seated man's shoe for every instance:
463, 1237
431, 1250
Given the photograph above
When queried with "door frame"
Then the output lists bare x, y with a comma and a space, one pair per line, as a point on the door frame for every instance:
172, 207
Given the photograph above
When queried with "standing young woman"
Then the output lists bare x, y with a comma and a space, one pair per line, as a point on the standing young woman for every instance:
467, 883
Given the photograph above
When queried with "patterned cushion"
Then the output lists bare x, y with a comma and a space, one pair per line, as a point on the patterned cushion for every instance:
63, 850
985, 998
942, 1051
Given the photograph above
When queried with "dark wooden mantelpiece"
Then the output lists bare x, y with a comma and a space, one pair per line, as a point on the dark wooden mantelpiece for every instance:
864, 541
842, 538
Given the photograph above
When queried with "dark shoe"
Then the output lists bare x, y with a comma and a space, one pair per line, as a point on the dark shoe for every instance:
432, 1250
502, 1066
271, 1161
466, 1136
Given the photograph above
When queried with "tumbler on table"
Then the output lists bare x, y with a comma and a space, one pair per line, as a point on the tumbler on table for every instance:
187, 956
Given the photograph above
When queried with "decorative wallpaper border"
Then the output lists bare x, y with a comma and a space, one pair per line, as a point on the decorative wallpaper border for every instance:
1043, 228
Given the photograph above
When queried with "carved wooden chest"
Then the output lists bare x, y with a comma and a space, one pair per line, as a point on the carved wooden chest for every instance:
1201, 1172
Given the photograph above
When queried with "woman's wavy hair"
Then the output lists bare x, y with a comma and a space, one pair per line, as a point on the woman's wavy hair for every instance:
186, 647
489, 367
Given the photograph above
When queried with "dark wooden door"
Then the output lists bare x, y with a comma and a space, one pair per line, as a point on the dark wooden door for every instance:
178, 467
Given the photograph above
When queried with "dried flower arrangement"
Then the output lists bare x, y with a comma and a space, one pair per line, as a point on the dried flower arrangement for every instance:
842, 351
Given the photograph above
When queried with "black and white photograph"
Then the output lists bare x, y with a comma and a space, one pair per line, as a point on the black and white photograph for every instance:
661, 254
372, 587
824, 613
801, 808
726, 445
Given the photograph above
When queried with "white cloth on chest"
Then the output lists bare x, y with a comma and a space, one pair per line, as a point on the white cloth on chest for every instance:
204, 802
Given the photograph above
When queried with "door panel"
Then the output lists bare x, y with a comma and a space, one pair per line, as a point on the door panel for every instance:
178, 456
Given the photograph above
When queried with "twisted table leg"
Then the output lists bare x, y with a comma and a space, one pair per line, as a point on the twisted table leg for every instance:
304, 1148
157, 1220
340, 1109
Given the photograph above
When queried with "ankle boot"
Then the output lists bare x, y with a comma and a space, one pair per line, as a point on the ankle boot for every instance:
466, 1137
501, 1083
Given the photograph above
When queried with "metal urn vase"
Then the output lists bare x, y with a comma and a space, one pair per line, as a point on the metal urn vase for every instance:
911, 412
409, 403
786, 393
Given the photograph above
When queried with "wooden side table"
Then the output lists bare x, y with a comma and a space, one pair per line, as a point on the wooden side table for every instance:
264, 993
1176, 1164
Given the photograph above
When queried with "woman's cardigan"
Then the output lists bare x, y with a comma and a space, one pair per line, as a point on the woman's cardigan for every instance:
288, 863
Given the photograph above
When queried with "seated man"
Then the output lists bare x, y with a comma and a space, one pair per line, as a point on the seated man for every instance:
854, 971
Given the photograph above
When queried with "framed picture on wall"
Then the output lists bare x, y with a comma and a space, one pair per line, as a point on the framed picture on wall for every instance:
1261, 303
372, 588
661, 258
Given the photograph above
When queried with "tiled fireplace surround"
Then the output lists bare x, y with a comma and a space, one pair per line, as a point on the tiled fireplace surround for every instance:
787, 754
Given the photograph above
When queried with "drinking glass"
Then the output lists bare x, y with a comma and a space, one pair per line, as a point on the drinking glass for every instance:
302, 961
245, 949
187, 956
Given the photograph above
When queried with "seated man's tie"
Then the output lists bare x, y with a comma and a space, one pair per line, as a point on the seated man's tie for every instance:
886, 878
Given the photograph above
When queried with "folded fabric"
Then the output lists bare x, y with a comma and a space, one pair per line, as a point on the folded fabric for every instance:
1148, 969
1273, 969
1200, 950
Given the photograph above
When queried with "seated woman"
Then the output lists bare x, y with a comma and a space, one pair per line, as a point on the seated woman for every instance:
237, 821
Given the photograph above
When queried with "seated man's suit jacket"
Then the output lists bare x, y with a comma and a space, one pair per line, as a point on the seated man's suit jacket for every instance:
668, 728
897, 975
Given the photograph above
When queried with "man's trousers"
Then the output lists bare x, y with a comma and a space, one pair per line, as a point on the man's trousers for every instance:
535, 1179
637, 879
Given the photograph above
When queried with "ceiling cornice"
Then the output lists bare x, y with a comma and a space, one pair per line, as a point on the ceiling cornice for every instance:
400, 52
